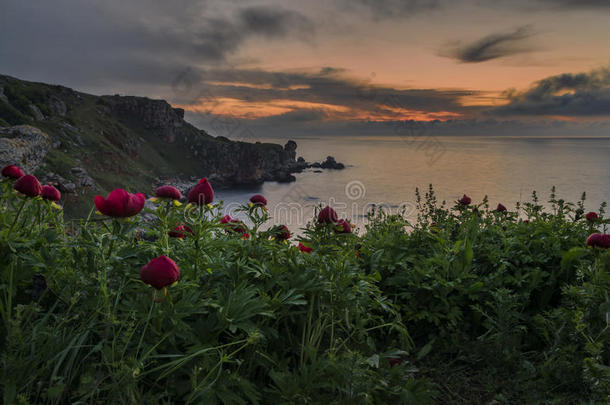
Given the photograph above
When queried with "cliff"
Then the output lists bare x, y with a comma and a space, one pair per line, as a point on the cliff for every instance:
90, 144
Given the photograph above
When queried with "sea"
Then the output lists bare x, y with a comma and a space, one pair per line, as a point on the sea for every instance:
385, 171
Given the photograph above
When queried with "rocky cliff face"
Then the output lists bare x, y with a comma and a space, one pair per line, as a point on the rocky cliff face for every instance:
122, 141
24, 146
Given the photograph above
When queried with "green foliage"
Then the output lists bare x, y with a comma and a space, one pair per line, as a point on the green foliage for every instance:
9, 115
477, 307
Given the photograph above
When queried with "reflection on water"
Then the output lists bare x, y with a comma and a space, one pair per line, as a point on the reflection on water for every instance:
386, 170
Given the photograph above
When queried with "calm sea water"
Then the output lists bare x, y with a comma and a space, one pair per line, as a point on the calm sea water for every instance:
385, 170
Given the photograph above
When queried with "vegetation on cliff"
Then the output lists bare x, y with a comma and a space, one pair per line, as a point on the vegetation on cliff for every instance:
101, 142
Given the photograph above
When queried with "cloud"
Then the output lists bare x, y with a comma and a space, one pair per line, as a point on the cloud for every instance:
578, 3
569, 95
393, 8
492, 46
118, 45
336, 96
273, 21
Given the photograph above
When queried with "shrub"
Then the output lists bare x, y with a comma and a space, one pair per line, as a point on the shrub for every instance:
466, 304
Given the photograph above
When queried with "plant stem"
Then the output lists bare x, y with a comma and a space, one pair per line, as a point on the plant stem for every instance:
110, 249
17, 216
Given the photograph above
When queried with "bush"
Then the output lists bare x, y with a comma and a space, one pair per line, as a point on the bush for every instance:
477, 307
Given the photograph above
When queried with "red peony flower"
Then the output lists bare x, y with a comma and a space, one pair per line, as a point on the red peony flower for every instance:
526, 221
394, 361
233, 225
595, 239
168, 192
202, 193
160, 272
304, 248
180, 231
283, 233
50, 193
120, 203
591, 216
12, 172
28, 185
327, 216
343, 227
604, 241
245, 235
501, 208
258, 199
465, 200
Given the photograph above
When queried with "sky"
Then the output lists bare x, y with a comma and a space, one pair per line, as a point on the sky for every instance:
327, 66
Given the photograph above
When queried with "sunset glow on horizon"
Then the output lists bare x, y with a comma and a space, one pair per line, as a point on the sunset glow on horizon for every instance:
321, 62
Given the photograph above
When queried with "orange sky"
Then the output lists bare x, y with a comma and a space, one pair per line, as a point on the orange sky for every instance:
442, 59
408, 53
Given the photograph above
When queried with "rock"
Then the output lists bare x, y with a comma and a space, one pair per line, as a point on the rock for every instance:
301, 160
24, 146
62, 184
56, 144
291, 149
284, 176
57, 106
82, 177
68, 187
36, 113
2, 95
331, 163
68, 127
179, 112
156, 115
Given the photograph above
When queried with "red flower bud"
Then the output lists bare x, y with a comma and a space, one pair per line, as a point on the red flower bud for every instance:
50, 193
304, 248
160, 272
234, 225
180, 231
394, 362
28, 185
501, 208
465, 200
258, 199
343, 227
120, 203
595, 239
202, 193
591, 216
168, 192
283, 233
12, 172
328, 216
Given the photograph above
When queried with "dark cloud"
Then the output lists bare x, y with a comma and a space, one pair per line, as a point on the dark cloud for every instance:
383, 9
492, 46
578, 3
393, 8
274, 21
571, 95
119, 45
317, 88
